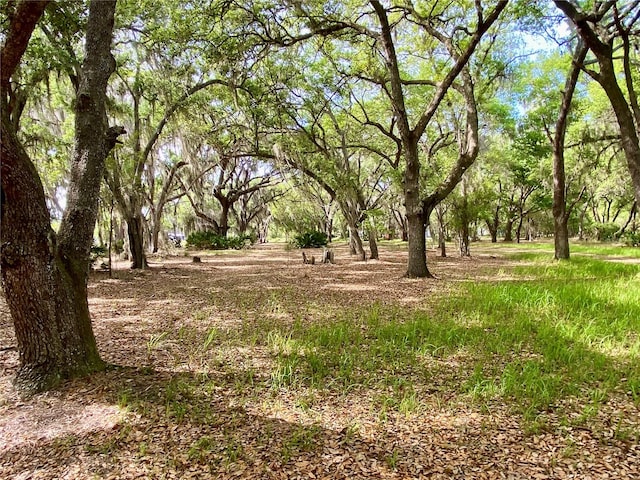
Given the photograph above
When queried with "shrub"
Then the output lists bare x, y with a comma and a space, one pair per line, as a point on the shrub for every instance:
209, 240
631, 239
606, 231
238, 243
202, 239
118, 246
312, 239
96, 252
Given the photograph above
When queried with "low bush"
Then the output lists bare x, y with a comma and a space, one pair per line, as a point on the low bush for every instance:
606, 232
96, 252
209, 240
631, 239
312, 239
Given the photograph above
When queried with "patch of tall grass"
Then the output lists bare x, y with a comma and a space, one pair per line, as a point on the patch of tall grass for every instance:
553, 331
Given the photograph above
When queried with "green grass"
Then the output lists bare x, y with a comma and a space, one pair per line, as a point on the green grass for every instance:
576, 248
554, 332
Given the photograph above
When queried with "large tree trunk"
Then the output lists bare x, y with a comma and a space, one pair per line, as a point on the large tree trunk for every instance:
494, 223
46, 294
417, 261
45, 275
508, 230
135, 233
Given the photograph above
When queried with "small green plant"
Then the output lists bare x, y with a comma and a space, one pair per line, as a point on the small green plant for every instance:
156, 340
211, 336
233, 451
284, 373
312, 239
302, 439
392, 459
143, 449
124, 398
200, 448
409, 404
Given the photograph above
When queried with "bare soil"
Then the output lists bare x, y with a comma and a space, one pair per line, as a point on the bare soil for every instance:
190, 396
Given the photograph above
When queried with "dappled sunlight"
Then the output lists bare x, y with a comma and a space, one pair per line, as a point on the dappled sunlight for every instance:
254, 363
350, 287
56, 419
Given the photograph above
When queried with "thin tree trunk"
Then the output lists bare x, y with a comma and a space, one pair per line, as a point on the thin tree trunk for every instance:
111, 240
156, 228
463, 233
373, 244
519, 228
493, 225
356, 242
442, 234
632, 215
560, 214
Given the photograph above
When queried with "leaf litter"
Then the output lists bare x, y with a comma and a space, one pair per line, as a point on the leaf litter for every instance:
191, 392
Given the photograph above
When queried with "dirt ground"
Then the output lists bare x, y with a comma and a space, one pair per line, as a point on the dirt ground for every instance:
190, 396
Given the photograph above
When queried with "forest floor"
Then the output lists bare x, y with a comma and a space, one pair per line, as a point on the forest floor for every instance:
221, 370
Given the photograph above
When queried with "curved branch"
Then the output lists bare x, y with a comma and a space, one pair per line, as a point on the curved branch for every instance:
23, 22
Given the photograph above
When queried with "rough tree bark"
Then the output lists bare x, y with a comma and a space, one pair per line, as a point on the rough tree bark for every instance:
45, 275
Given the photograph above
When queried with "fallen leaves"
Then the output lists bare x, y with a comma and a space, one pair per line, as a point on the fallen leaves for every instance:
195, 404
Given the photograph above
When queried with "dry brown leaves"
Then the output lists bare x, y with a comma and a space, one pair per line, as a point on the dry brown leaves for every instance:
177, 409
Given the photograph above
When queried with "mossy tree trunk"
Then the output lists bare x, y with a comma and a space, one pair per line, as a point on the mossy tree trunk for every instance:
45, 275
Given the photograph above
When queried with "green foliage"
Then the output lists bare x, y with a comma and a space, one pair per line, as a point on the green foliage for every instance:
605, 232
535, 341
631, 239
118, 246
312, 239
96, 252
209, 240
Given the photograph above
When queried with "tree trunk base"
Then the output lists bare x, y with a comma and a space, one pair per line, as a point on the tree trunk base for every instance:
428, 274
33, 379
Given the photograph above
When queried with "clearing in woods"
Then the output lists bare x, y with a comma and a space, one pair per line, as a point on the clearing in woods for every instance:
254, 365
